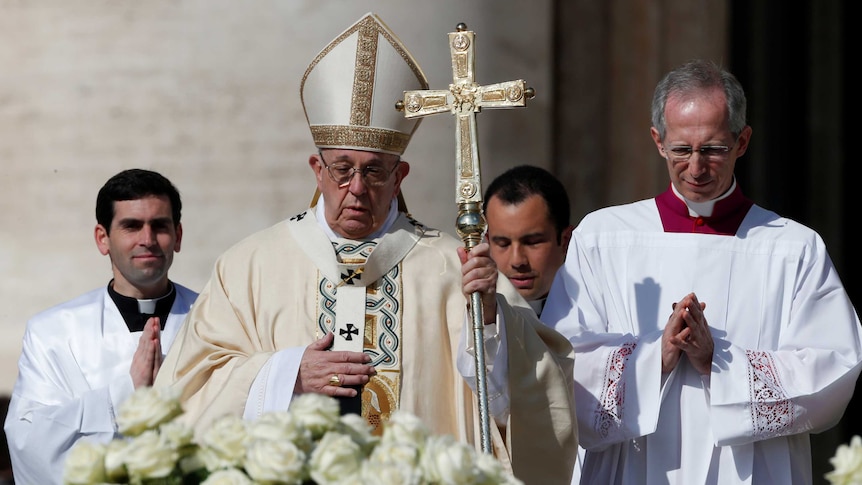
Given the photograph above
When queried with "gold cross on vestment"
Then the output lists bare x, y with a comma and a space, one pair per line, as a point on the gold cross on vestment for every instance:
350, 276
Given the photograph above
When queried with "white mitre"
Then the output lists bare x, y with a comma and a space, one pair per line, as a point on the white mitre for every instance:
350, 89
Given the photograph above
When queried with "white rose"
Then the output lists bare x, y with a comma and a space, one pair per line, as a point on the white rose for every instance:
230, 476
178, 434
355, 479
223, 443
404, 427
405, 455
181, 437
146, 409
848, 464
115, 463
85, 464
359, 430
317, 412
449, 462
148, 456
280, 425
335, 456
192, 462
275, 461
390, 472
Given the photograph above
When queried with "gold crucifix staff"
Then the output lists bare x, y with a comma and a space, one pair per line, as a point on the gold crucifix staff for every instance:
464, 99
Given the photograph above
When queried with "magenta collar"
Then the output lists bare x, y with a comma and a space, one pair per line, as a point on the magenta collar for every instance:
727, 215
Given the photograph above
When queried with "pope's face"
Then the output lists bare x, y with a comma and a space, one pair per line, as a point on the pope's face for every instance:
141, 243
700, 121
524, 244
354, 209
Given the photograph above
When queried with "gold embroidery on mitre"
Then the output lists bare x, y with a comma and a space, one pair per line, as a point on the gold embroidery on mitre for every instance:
373, 138
363, 73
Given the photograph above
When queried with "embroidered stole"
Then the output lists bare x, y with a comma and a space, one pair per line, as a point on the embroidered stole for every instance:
359, 301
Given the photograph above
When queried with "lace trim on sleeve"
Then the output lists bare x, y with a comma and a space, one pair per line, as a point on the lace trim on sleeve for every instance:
772, 413
609, 412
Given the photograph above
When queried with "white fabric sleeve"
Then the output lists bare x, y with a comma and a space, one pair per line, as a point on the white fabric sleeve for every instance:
44, 420
272, 389
40, 437
496, 363
608, 363
803, 386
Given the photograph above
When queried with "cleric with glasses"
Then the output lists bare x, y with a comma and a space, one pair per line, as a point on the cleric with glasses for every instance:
712, 336
341, 172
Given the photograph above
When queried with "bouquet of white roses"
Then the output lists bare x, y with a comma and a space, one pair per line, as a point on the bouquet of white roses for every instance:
309, 444
848, 464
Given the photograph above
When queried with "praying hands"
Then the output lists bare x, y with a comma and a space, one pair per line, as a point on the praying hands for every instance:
687, 331
148, 356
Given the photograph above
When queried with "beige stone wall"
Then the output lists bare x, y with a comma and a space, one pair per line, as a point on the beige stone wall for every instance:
207, 92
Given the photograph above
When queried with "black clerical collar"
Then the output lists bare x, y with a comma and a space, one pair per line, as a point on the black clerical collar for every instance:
130, 308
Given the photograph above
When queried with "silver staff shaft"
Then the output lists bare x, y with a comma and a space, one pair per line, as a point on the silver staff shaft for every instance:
471, 228
481, 374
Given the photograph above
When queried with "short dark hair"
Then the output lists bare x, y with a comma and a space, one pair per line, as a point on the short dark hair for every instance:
516, 184
133, 184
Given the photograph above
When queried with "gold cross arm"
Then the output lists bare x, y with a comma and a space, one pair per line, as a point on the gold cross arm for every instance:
427, 102
510, 94
465, 97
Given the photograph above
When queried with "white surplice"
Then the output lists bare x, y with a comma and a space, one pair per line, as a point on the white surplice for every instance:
787, 348
73, 373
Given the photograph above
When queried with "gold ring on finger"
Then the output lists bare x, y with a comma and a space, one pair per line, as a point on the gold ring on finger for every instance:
335, 381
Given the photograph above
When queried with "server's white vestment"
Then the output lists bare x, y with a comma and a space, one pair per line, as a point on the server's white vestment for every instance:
787, 348
73, 373
277, 291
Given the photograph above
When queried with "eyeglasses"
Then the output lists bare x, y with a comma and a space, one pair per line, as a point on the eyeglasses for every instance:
373, 175
712, 153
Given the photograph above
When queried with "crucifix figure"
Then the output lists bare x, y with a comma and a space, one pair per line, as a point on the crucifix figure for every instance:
464, 99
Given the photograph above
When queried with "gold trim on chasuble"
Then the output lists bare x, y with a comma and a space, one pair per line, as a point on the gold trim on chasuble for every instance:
382, 336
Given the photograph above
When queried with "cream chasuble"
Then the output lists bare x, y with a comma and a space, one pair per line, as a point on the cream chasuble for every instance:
285, 286
359, 302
